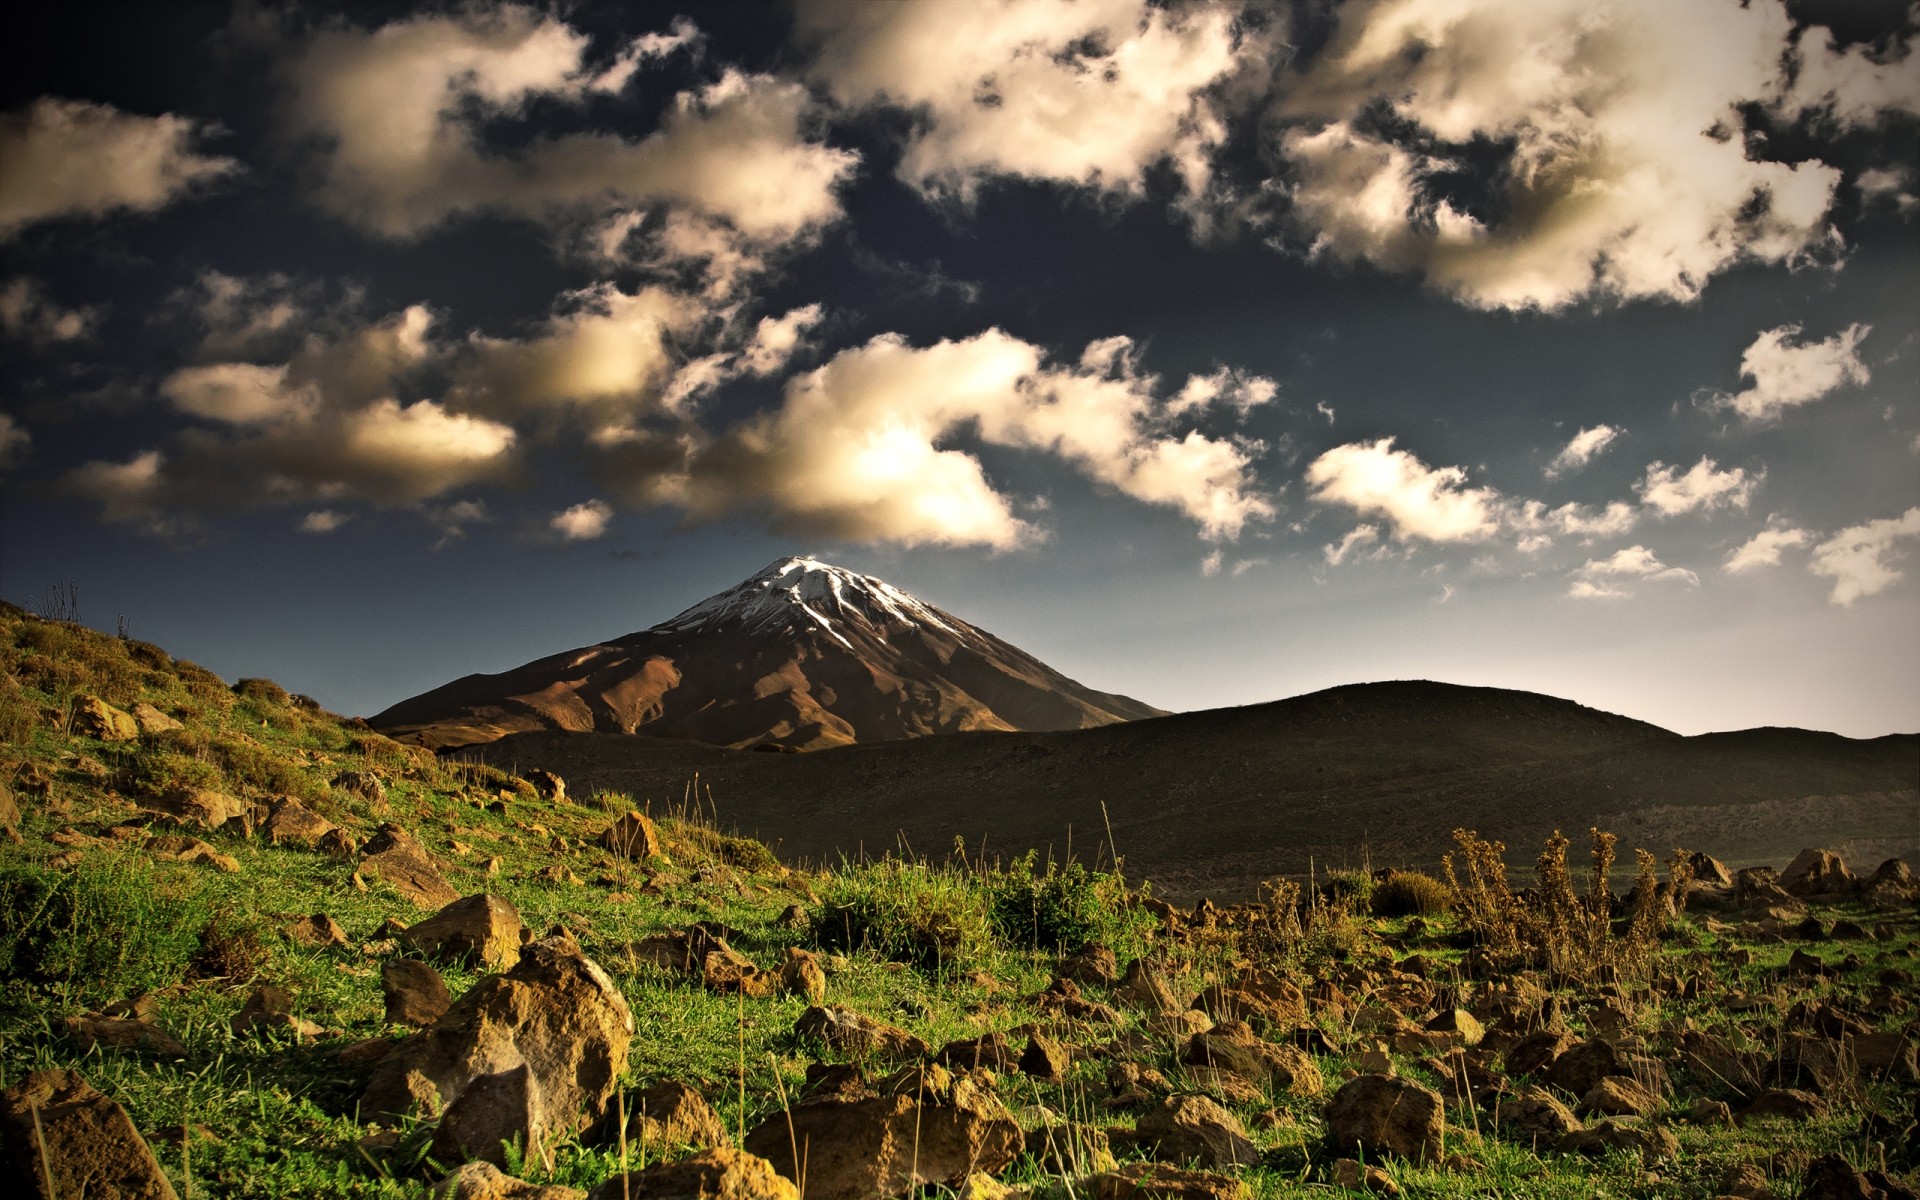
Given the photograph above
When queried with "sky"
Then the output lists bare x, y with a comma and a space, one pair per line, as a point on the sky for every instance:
1212, 353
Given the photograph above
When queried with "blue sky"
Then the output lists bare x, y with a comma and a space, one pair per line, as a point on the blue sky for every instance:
1211, 354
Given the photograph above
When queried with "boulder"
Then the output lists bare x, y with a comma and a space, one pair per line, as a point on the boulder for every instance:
1787, 1104
1623, 1133
1157, 1181
396, 856
1832, 1177
203, 808
151, 720
547, 785
666, 1115
1376, 1114
855, 1148
175, 848
1360, 1177
802, 975
850, 1033
1233, 1046
1709, 870
1141, 987
415, 993
1093, 964
291, 823
1187, 1129
1619, 1096
1581, 1066
1536, 1116
1258, 996
1817, 873
989, 1050
1536, 1051
122, 1033
632, 836
484, 1181
59, 1131
318, 930
1885, 1056
95, 718
548, 1038
270, 1009
718, 1174
480, 929
1045, 1057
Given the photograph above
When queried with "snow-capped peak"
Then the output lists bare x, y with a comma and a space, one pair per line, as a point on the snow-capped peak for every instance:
804, 588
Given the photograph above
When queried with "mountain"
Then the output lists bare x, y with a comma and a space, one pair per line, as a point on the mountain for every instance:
1213, 802
803, 655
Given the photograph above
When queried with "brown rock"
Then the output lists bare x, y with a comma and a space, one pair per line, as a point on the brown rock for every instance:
1258, 996
1619, 1096
1356, 1177
1461, 1023
9, 811
57, 1128
317, 929
556, 1013
1709, 870
1623, 1133
123, 1033
1535, 1052
1885, 1056
1745, 1181
1157, 1181
1817, 873
547, 785
175, 848
1380, 1113
1788, 1104
484, 1181
1093, 964
291, 823
802, 975
395, 856
1194, 1129
415, 993
364, 786
989, 1050
151, 720
95, 718
1141, 987
666, 1115
480, 929
270, 1009
1831, 1177
1537, 1116
709, 1175
1587, 1063
632, 836
850, 1033
200, 807
855, 1149
1045, 1057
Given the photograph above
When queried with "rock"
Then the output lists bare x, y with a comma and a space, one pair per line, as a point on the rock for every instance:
1816, 1064
337, 843
484, 1181
1093, 964
1537, 1116
291, 823
1045, 1058
200, 807
1710, 1114
9, 811
547, 785
1744, 1181
395, 856
317, 929
414, 991
95, 718
123, 1033
364, 786
1376, 1114
802, 975
1355, 1177
1069, 1148
548, 1037
1885, 1056
709, 1175
666, 1115
1817, 873
1619, 1096
857, 1036
632, 836
270, 1009
989, 1050
479, 929
857, 1148
1194, 1129
1462, 1023
174, 848
1709, 870
1831, 1177
1145, 990
1535, 1052
1789, 1104
152, 721
1623, 1133
1258, 996
1233, 1046
57, 1129
1156, 1181
1587, 1063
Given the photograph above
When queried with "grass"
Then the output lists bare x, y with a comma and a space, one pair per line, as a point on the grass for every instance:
947, 950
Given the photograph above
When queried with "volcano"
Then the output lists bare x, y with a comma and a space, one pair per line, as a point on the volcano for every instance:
801, 656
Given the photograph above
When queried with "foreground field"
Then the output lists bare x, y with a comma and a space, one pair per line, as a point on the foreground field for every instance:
249, 949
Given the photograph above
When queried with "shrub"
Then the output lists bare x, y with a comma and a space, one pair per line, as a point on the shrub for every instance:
1410, 894
1349, 889
1059, 908
108, 929
264, 691
905, 911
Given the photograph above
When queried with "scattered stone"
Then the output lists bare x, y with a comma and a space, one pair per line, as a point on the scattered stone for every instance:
1194, 1129
1831, 1177
95, 718
176, 848
484, 1181
200, 807
667, 1114
1623, 1133
547, 785
1045, 1058
1379, 1113
549, 1036
364, 786
1619, 1096
632, 836
1094, 964
1786, 1103
857, 1036
1581, 1066
152, 721
123, 1033
1258, 995
802, 975
291, 823
1145, 990
1709, 870
989, 1050
414, 991
1157, 1181
1885, 1056
709, 1175
1460, 1022
481, 929
317, 929
1710, 1114
59, 1131
1355, 1177
270, 1009
395, 856
1817, 873
1745, 1181
1538, 1116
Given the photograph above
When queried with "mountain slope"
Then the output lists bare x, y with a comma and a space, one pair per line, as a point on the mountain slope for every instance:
1213, 802
803, 655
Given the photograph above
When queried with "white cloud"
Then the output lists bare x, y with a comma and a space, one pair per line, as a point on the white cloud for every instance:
1582, 449
245, 317
1580, 521
64, 158
13, 441
777, 339
1703, 486
1089, 93
1763, 548
237, 393
1859, 559
1419, 501
27, 313
1625, 175
1360, 535
1637, 562
1853, 87
399, 112
323, 520
583, 522
1228, 385
1786, 373
1587, 589
1211, 564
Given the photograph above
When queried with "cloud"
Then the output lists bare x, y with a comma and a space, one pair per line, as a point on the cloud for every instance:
27, 314
1419, 501
1587, 589
1585, 446
398, 117
1622, 174
1854, 87
1786, 373
1360, 535
1859, 559
1703, 486
1763, 548
583, 522
1594, 580
1088, 93
1580, 521
777, 339
322, 521
13, 442
861, 447
1211, 564
237, 393
70, 158
240, 317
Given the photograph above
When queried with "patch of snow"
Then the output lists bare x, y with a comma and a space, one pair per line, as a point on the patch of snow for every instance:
824, 594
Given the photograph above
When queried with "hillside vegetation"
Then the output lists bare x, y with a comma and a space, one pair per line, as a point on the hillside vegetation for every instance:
252, 949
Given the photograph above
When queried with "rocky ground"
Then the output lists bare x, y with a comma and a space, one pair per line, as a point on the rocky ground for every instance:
251, 949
